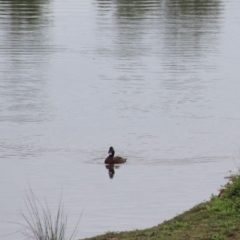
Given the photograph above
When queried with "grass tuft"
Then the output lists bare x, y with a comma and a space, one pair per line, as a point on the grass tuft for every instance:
40, 223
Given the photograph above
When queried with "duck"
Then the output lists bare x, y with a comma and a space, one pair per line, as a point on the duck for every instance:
111, 159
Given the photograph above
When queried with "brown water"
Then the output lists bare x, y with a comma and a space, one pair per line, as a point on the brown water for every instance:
158, 80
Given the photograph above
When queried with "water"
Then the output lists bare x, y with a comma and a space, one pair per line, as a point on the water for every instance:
158, 80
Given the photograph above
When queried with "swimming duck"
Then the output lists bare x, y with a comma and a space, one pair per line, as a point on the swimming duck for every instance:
111, 159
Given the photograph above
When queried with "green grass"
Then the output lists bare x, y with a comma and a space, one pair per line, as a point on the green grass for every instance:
216, 219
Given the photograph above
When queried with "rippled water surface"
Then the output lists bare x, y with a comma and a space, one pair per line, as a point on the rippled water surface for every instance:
159, 80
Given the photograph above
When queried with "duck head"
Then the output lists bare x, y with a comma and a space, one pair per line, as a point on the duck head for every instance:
111, 152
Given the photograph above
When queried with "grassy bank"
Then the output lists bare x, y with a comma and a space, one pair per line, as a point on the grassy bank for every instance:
216, 219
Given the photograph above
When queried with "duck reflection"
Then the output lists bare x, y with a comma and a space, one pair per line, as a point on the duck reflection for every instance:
111, 170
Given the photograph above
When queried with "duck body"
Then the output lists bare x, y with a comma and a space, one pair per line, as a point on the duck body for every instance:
114, 160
